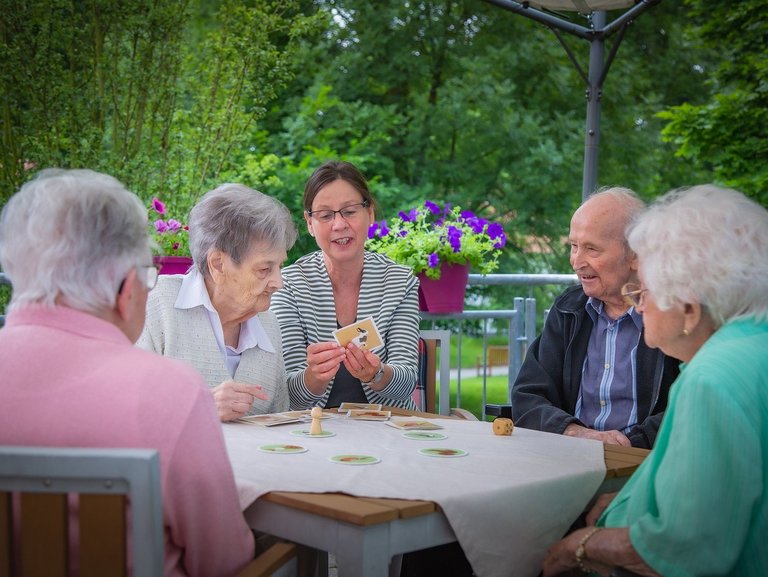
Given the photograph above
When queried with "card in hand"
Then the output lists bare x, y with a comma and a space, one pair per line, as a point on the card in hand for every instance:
363, 333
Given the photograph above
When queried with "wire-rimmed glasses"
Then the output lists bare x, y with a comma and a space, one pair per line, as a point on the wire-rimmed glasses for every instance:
634, 294
150, 276
347, 213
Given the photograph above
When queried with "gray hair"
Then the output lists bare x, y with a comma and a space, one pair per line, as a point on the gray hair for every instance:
72, 236
683, 260
626, 197
234, 218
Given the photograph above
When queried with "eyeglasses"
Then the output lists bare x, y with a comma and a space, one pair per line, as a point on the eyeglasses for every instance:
633, 294
347, 213
150, 277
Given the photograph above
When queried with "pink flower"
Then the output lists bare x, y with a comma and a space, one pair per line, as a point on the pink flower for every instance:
158, 206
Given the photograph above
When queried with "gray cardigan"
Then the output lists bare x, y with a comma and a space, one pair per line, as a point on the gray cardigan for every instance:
187, 335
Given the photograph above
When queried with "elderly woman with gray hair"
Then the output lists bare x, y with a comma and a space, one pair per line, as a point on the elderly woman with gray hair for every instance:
216, 317
698, 505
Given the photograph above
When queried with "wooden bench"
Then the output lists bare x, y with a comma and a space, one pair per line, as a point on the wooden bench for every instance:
498, 355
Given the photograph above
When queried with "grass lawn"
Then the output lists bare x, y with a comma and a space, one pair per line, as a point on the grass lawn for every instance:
471, 385
472, 393
471, 349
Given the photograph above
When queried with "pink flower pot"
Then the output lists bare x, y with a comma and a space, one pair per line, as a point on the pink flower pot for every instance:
445, 295
172, 264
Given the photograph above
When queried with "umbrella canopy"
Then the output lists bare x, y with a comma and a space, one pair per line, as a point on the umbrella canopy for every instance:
597, 30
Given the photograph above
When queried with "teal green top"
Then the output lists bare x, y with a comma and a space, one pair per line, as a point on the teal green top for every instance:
698, 505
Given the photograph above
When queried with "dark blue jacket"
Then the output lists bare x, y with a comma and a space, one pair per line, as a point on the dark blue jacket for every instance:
547, 387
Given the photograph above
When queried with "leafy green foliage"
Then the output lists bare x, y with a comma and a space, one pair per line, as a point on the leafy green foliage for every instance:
729, 132
428, 236
459, 101
141, 89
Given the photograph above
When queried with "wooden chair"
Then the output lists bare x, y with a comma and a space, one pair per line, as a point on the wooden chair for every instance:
103, 479
428, 370
35, 484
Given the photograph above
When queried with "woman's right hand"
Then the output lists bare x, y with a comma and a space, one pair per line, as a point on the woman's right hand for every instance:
323, 362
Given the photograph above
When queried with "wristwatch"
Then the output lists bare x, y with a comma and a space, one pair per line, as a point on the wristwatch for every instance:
377, 377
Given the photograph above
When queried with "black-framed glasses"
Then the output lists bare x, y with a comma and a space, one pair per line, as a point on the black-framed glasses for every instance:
347, 213
634, 294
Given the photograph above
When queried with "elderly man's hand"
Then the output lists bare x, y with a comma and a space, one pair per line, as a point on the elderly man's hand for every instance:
610, 437
234, 400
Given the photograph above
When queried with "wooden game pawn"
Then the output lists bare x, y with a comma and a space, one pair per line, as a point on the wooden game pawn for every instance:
316, 428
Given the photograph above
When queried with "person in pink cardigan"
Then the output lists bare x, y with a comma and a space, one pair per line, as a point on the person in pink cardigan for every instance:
75, 246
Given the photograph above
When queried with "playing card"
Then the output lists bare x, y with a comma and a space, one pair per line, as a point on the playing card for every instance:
268, 420
363, 333
344, 407
369, 415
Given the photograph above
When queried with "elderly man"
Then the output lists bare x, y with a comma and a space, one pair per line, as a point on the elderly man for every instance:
590, 374
75, 246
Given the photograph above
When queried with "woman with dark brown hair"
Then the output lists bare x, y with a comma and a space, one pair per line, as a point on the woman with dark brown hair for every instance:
337, 285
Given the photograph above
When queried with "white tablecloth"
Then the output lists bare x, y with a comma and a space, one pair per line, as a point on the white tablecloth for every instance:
507, 501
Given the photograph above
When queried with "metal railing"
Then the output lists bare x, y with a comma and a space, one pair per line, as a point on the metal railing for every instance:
521, 322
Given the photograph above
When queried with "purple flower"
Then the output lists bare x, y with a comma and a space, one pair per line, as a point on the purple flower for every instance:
433, 260
378, 229
173, 225
432, 207
454, 238
158, 206
161, 226
476, 224
409, 216
496, 232
403, 233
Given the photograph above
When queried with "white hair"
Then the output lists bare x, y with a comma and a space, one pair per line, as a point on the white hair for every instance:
708, 245
630, 205
234, 218
72, 236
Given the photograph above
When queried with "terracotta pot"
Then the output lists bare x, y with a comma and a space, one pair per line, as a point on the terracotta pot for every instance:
446, 294
172, 264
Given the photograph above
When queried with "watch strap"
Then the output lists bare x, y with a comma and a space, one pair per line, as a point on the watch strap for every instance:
377, 377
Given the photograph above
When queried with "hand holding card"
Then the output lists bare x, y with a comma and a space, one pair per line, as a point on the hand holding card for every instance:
363, 333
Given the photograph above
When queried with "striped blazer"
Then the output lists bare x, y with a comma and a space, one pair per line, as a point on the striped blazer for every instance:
306, 312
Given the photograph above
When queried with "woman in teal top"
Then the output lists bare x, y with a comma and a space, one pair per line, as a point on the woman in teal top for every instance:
698, 505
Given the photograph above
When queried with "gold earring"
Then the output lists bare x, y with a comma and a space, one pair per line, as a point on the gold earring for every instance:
686, 332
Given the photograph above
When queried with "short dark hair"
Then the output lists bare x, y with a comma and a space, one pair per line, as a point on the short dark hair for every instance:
331, 171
